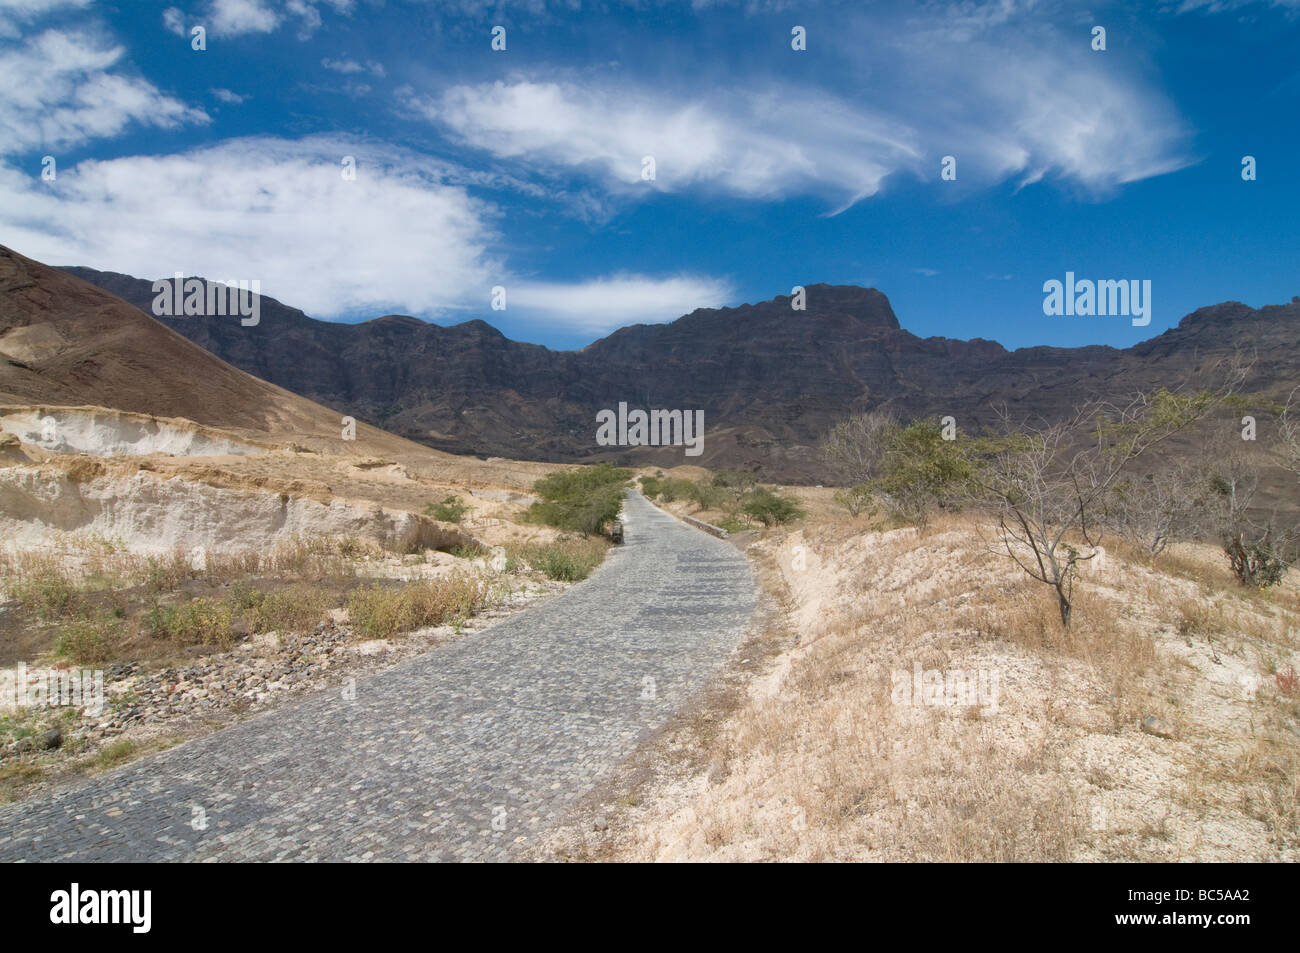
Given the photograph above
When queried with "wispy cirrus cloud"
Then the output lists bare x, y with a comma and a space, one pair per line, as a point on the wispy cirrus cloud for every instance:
1220, 6
64, 88
1001, 86
348, 67
31, 9
760, 145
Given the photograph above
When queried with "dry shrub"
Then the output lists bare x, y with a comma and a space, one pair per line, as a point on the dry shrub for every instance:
40, 583
294, 608
383, 612
567, 559
89, 639
200, 622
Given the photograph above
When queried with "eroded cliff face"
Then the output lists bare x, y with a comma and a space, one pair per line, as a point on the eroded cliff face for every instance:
103, 432
147, 512
770, 380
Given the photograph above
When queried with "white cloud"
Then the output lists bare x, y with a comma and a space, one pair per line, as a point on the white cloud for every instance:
348, 67
308, 12
998, 85
394, 239
1026, 116
757, 145
601, 305
1220, 6
15, 14
1028, 112
235, 17
174, 21
243, 17
30, 9
59, 92
398, 238
229, 97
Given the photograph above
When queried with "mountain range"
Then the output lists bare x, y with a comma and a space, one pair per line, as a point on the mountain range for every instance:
770, 380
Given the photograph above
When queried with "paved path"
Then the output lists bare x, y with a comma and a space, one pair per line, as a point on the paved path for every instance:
461, 754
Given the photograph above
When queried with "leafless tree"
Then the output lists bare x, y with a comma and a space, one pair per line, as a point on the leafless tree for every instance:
1048, 483
1259, 546
1154, 508
853, 447
1289, 427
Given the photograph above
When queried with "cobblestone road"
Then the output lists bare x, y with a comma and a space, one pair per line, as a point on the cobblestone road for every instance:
462, 754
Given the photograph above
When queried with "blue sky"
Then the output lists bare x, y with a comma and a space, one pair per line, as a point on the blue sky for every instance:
773, 167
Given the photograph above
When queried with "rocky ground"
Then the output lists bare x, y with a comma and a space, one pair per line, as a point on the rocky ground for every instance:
145, 706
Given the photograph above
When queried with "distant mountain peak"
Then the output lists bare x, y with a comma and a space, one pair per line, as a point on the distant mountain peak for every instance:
396, 320
868, 305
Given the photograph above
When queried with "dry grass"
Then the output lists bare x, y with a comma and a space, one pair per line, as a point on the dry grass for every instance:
828, 761
567, 559
384, 612
48, 580
89, 600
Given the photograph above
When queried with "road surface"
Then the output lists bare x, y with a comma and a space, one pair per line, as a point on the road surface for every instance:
465, 753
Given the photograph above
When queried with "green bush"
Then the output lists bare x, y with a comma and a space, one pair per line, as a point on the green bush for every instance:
450, 510
921, 471
204, 621
584, 500
292, 609
49, 593
770, 508
858, 500
738, 482
89, 639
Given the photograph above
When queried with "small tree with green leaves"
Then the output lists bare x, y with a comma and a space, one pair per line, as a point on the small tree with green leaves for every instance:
770, 508
584, 500
858, 500
735, 484
920, 471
